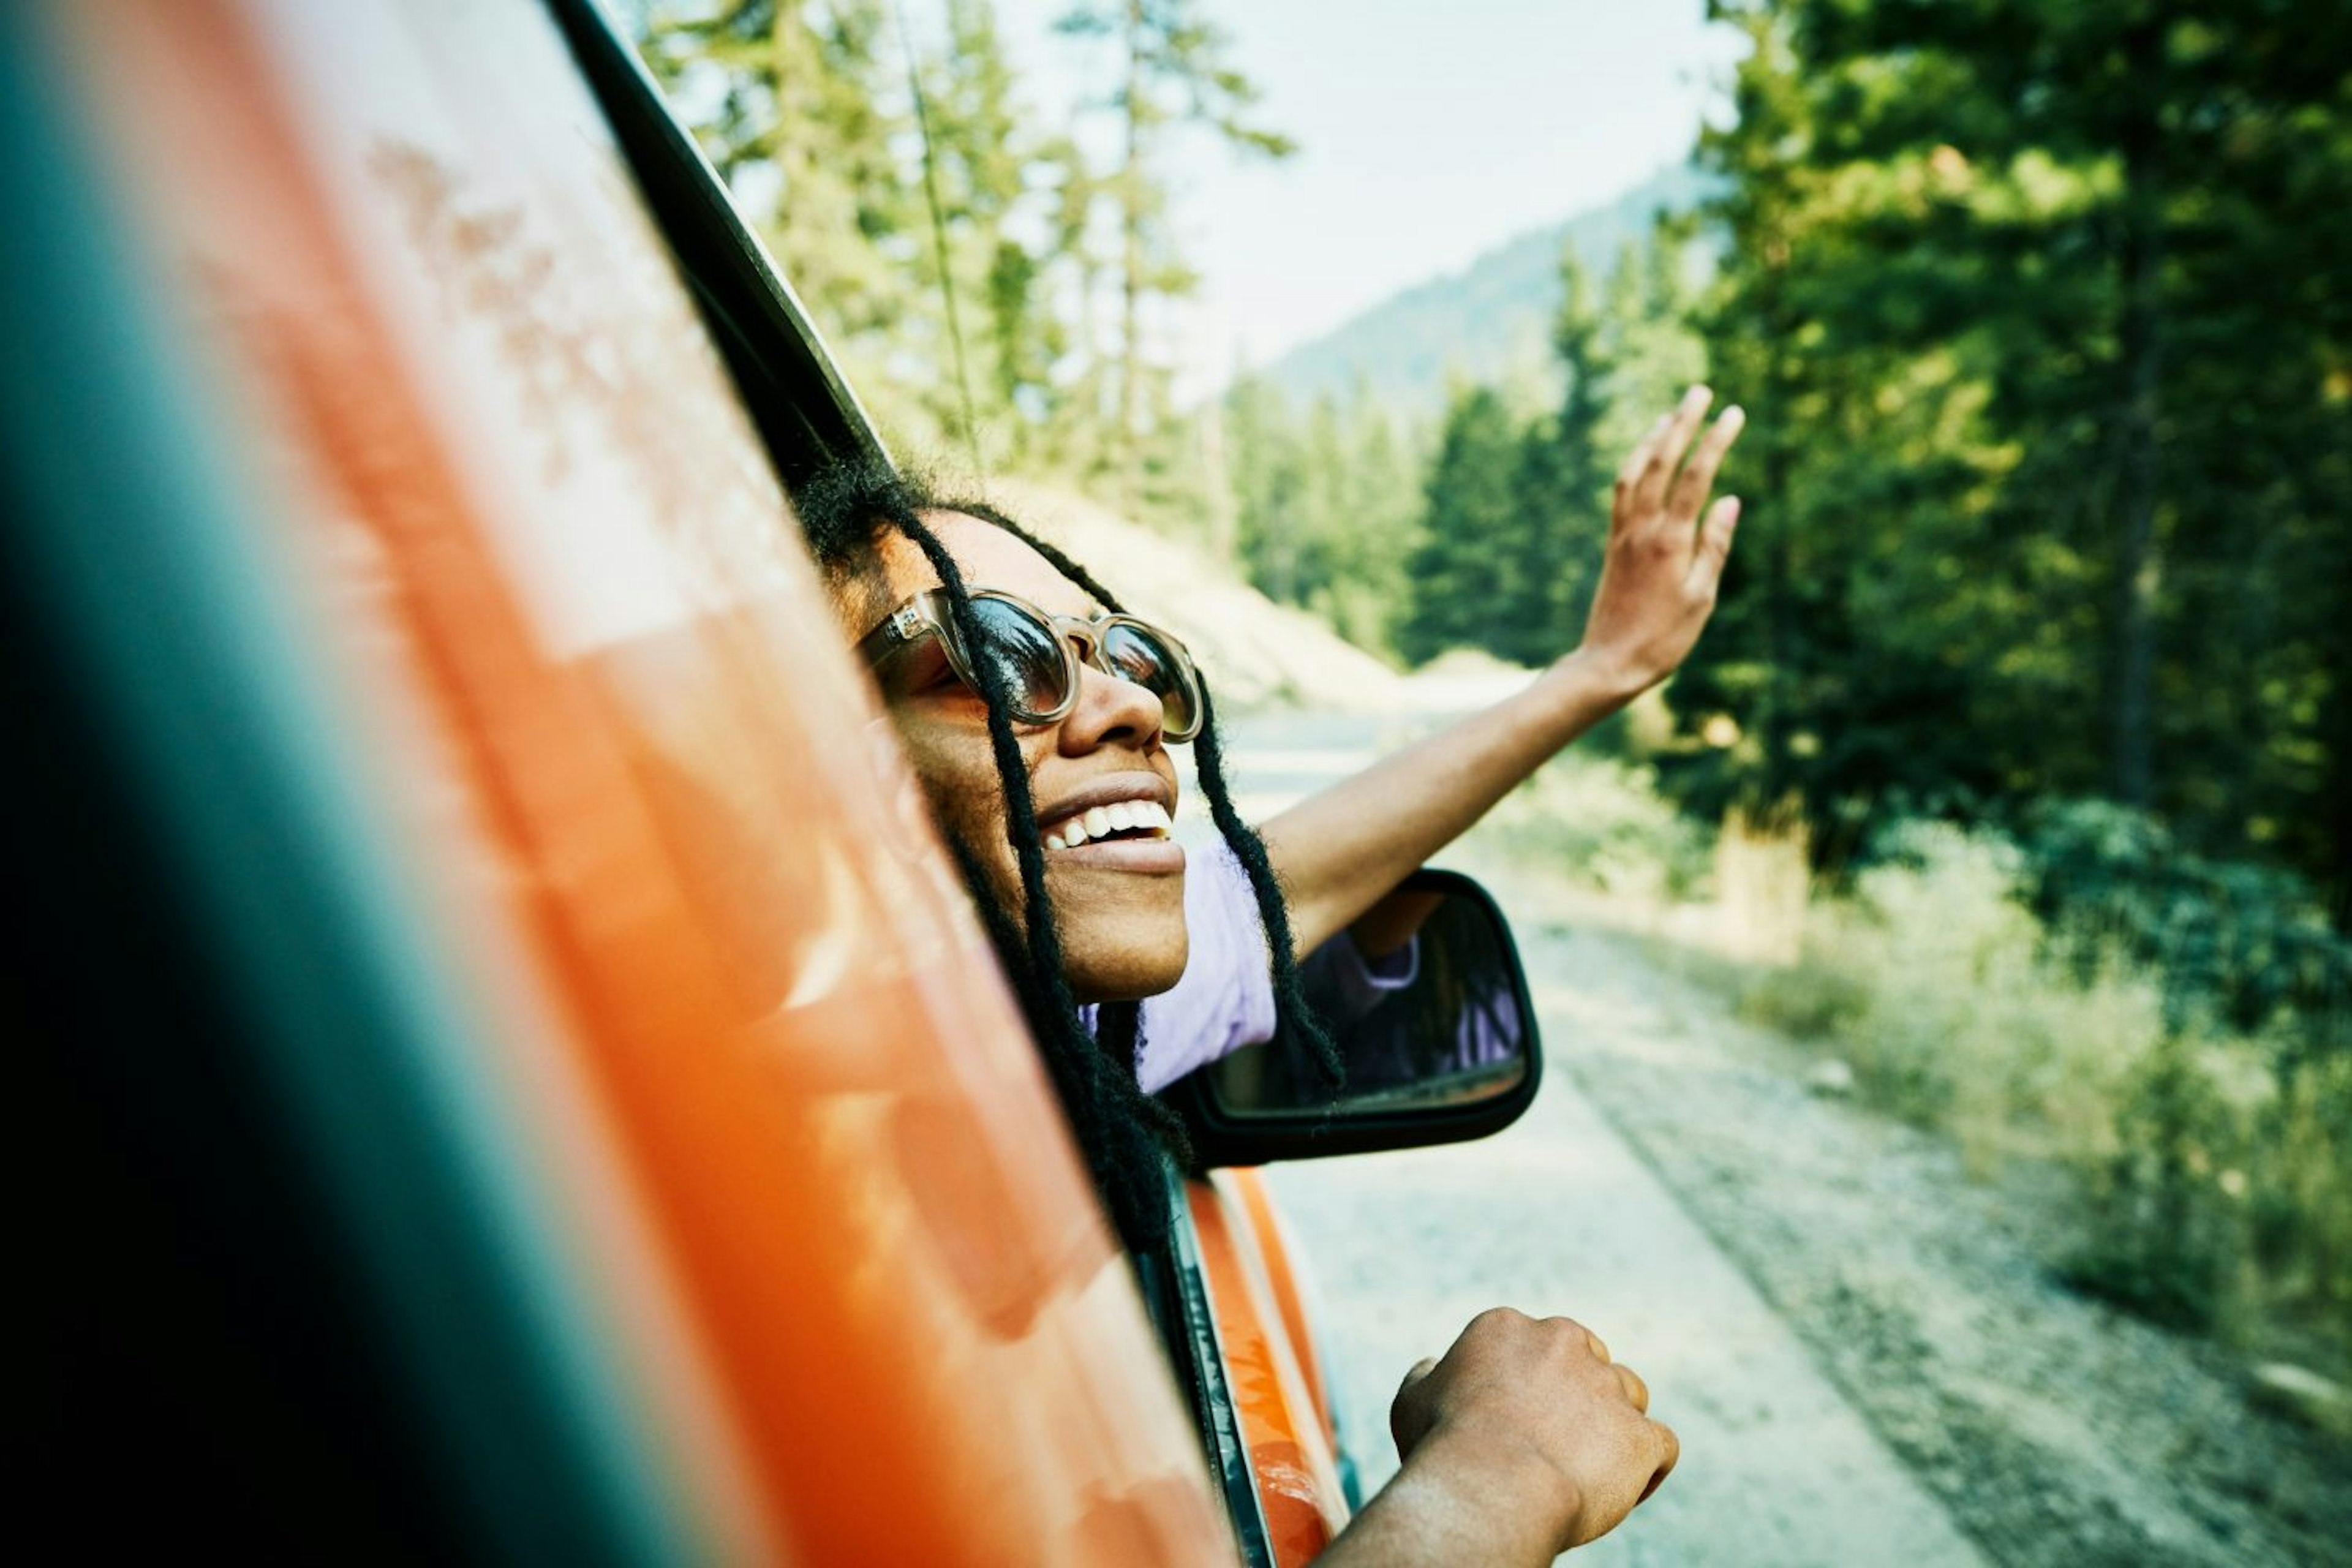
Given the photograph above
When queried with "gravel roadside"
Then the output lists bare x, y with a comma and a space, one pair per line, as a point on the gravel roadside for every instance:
2054, 1429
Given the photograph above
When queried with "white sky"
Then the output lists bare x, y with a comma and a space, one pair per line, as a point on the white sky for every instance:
1429, 134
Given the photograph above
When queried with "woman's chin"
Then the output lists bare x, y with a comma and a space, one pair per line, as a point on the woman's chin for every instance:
1124, 941
1127, 977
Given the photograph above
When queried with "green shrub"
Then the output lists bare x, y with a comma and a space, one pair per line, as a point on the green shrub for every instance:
2299, 1195
2169, 1235
2096, 1018
2249, 945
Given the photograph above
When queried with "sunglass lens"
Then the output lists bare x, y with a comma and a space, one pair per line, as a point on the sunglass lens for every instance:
1150, 663
1025, 655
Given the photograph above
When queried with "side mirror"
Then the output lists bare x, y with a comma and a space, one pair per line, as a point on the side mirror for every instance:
1434, 1025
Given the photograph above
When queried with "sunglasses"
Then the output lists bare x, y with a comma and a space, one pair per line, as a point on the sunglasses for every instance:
1037, 655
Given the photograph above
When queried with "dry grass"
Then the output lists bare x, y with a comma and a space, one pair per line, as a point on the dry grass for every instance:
2213, 1182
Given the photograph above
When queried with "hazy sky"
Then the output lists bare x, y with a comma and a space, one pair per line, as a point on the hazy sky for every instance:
1429, 131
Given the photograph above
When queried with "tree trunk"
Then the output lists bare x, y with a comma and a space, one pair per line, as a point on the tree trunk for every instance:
2138, 557
2336, 737
1216, 481
1132, 201
1769, 495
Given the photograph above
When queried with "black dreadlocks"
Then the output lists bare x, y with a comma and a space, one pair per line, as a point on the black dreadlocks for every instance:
1123, 1131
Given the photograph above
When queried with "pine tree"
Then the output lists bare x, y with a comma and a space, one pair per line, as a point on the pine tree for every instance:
1380, 497
1563, 480
1471, 507
991, 167
1267, 473
803, 125
1174, 70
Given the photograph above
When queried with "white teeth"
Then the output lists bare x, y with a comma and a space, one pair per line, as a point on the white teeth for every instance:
1102, 821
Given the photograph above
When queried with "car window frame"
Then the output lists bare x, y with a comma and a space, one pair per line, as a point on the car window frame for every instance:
807, 415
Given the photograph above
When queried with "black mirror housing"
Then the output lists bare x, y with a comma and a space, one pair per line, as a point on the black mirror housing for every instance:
1440, 1039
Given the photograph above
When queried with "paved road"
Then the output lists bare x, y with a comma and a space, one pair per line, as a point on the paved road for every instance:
1559, 1214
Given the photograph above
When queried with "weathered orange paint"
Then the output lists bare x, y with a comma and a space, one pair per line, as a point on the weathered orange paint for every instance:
809, 1174
1274, 1248
1281, 1425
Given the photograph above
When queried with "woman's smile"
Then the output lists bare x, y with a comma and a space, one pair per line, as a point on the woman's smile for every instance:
1118, 821
1159, 855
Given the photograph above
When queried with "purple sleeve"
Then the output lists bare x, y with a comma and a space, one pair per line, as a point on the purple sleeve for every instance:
1226, 999
1343, 984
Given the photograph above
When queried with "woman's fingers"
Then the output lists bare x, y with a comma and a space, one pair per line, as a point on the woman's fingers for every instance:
1697, 476
1410, 1416
1673, 1455
1650, 491
1635, 1389
1638, 462
1713, 546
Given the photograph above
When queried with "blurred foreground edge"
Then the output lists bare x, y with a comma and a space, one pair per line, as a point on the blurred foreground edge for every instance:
506, 1091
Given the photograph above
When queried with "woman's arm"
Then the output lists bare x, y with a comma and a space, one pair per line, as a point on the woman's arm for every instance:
1340, 851
1523, 1441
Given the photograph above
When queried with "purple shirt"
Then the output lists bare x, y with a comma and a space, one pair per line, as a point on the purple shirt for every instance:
1225, 999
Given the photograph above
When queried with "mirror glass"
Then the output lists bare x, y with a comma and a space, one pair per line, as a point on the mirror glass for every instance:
1424, 997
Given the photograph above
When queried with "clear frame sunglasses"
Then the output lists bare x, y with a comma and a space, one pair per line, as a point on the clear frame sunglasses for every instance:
1039, 654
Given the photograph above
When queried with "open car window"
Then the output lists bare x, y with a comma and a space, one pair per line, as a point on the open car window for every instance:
803, 410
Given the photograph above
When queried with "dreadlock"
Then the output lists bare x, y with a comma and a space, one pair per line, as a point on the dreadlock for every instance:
1122, 1129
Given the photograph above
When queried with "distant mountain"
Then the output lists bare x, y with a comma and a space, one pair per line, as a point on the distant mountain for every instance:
1485, 322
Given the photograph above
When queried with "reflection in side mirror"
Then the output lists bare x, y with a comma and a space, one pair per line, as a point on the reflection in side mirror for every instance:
1426, 1000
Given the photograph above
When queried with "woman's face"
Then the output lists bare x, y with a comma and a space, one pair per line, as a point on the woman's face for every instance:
1119, 904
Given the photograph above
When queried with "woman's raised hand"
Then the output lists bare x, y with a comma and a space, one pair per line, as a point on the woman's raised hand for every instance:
1343, 849
1659, 576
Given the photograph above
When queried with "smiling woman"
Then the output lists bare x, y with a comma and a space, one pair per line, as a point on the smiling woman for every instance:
1025, 752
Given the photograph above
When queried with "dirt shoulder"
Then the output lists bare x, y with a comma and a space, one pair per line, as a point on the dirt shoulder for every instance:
2054, 1429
